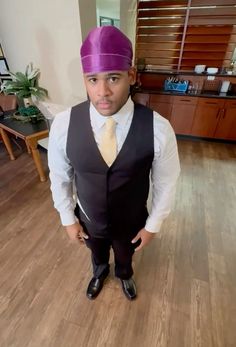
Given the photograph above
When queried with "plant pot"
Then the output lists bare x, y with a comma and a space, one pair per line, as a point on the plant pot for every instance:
34, 119
28, 102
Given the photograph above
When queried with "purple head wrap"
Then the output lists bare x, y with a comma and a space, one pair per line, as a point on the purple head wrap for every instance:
106, 49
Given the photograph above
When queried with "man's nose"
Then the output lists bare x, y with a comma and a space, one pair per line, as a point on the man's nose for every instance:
103, 89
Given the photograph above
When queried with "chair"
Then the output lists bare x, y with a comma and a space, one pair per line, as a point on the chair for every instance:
8, 103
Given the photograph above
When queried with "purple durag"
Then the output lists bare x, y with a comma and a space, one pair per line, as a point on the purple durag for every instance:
106, 49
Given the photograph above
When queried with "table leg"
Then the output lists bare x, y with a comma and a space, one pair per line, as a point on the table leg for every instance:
7, 143
37, 159
28, 147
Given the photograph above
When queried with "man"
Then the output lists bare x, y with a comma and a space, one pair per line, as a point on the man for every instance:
108, 146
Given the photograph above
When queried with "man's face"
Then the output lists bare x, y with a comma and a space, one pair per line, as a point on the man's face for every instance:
108, 91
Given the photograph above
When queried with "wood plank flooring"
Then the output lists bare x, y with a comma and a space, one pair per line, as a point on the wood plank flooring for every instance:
186, 277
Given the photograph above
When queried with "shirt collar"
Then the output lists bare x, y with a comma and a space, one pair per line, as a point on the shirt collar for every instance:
121, 117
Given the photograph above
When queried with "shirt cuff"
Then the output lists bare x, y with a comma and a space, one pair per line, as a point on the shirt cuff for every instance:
153, 227
68, 218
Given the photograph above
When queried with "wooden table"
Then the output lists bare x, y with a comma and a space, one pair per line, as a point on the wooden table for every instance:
30, 133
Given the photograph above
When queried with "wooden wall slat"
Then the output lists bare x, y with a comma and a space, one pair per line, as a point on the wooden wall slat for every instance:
214, 30
162, 61
158, 46
204, 55
189, 39
210, 47
212, 21
159, 31
161, 21
158, 54
156, 4
160, 13
227, 11
212, 3
158, 39
207, 38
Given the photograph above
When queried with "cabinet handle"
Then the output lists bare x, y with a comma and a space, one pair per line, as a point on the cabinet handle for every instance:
186, 100
223, 113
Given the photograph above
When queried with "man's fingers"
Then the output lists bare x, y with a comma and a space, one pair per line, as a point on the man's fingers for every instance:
80, 238
139, 247
81, 235
137, 237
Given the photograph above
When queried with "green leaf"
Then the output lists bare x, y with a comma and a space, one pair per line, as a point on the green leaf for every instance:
34, 73
25, 84
22, 78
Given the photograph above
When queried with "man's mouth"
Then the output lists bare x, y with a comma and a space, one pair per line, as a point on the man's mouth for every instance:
104, 104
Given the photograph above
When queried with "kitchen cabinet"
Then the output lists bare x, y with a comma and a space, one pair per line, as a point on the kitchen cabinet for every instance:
195, 115
207, 115
226, 127
182, 114
161, 104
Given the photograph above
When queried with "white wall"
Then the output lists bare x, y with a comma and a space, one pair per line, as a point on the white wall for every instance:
48, 34
128, 15
88, 19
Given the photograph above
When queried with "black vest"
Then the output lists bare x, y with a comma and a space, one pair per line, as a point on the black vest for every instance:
113, 198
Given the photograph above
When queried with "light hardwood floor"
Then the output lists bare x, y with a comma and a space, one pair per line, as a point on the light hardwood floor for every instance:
186, 277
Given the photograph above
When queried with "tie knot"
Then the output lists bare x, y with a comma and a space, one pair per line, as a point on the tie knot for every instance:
110, 124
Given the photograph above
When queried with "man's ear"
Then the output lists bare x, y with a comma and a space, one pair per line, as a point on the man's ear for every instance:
132, 75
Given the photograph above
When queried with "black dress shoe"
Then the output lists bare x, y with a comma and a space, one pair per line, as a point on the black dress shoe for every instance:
129, 288
95, 286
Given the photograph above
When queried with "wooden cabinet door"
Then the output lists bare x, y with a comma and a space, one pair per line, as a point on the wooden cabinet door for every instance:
141, 98
182, 114
161, 104
226, 127
207, 115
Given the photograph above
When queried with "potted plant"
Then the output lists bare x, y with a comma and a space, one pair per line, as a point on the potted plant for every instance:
25, 85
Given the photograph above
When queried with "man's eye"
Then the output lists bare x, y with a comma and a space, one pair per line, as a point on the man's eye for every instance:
113, 79
92, 80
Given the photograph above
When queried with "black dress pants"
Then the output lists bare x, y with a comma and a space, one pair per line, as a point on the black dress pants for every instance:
100, 253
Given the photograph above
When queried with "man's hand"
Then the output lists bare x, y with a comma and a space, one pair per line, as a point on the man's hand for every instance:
76, 233
145, 237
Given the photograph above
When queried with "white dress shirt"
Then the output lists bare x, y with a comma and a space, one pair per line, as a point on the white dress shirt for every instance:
164, 172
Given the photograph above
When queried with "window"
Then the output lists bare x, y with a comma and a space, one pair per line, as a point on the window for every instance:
109, 21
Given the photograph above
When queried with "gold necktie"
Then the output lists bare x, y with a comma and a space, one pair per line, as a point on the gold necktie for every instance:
108, 144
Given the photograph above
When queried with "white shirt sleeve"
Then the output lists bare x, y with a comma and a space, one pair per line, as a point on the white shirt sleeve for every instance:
61, 172
164, 173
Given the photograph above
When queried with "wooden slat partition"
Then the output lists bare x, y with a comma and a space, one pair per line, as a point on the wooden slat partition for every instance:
160, 26
210, 35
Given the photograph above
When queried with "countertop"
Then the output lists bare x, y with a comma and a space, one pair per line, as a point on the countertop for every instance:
184, 72
195, 93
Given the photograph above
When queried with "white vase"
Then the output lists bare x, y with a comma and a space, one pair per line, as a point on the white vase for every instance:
28, 102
